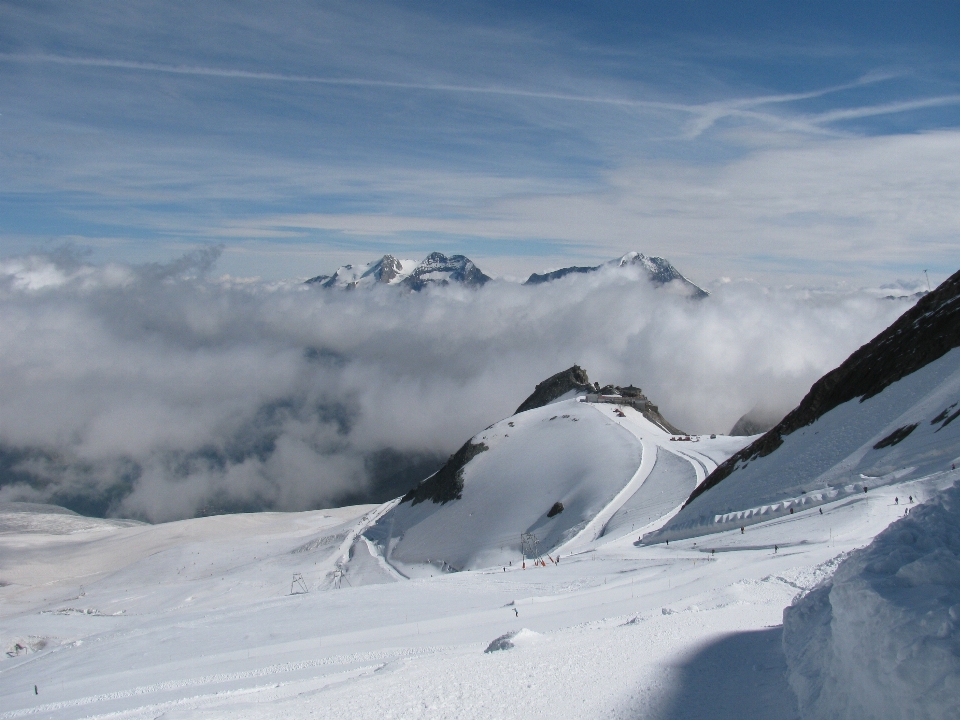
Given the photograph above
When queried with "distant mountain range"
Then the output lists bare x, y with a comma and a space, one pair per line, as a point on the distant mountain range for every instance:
436, 269
439, 269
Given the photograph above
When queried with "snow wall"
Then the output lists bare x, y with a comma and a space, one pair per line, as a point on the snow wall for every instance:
881, 639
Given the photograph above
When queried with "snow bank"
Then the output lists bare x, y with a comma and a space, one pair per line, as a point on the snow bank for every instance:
521, 637
882, 638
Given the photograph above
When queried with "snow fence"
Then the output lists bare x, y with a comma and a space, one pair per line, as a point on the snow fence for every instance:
881, 639
706, 524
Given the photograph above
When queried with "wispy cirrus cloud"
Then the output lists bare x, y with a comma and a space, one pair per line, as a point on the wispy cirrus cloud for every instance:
705, 114
799, 211
138, 128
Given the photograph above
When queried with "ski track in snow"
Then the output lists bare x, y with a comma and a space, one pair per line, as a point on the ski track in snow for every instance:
594, 529
199, 619
653, 440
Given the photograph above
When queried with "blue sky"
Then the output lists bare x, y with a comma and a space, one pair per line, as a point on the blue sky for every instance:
790, 142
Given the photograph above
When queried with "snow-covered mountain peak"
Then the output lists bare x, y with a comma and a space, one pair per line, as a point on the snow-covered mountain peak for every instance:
388, 270
658, 270
436, 269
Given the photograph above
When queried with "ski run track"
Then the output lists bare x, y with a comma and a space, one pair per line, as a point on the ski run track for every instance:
201, 618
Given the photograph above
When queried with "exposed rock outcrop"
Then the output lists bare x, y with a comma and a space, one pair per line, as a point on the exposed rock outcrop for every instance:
573, 378
537, 279
446, 484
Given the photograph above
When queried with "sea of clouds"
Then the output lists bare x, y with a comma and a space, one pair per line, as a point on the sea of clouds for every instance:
162, 392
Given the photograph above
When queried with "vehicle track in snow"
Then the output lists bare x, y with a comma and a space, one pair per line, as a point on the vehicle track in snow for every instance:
652, 439
594, 529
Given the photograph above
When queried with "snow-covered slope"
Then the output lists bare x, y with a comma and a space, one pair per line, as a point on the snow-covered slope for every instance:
885, 415
20, 517
611, 469
200, 619
564, 452
880, 639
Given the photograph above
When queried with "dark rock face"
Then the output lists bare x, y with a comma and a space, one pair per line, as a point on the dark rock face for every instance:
574, 378
926, 332
896, 436
446, 484
387, 269
536, 279
438, 269
555, 510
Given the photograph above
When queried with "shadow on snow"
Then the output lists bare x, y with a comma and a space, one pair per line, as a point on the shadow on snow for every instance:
740, 677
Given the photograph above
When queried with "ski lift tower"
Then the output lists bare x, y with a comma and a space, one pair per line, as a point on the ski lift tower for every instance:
339, 575
298, 586
530, 547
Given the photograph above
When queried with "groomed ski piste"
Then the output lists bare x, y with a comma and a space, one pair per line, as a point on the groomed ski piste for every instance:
430, 611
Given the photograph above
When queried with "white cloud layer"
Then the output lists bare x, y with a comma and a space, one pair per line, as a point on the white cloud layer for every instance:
157, 392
